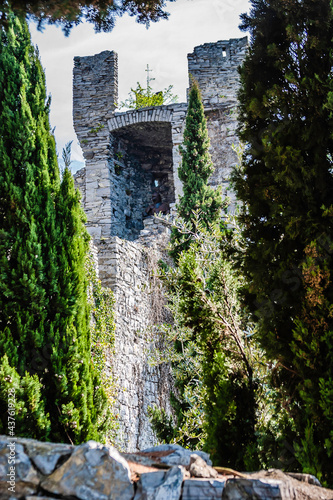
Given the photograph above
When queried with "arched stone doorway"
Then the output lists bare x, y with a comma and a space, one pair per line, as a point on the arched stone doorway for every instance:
141, 163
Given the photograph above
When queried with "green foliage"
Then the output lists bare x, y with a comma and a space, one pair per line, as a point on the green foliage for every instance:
21, 399
213, 363
162, 424
117, 169
312, 348
231, 413
223, 399
308, 453
66, 154
211, 308
96, 129
102, 329
285, 182
44, 319
142, 98
194, 172
189, 394
175, 344
102, 14
275, 430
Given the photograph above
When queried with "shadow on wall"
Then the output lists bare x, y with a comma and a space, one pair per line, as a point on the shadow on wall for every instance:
141, 164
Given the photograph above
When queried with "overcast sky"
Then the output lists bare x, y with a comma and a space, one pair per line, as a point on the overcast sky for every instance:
164, 46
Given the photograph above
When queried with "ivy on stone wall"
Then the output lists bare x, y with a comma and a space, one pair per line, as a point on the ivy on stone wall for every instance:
102, 331
158, 312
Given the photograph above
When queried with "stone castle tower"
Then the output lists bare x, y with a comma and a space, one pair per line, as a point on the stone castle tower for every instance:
128, 156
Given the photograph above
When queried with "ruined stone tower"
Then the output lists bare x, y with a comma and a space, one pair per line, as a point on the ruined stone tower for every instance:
128, 156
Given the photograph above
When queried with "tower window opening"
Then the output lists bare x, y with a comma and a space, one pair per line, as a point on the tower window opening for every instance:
224, 52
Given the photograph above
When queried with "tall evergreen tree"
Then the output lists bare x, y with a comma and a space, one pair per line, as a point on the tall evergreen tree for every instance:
214, 356
286, 187
44, 334
196, 167
209, 305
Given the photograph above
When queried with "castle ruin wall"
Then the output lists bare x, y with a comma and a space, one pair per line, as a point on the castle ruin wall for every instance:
128, 155
215, 67
124, 266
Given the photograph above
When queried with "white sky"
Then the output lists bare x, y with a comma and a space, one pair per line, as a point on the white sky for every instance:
164, 46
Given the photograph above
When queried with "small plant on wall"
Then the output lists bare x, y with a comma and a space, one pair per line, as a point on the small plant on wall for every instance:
119, 155
96, 129
141, 97
117, 169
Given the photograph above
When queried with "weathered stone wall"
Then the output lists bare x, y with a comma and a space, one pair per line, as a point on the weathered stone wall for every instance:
95, 94
128, 155
222, 125
144, 157
156, 231
95, 88
125, 267
215, 67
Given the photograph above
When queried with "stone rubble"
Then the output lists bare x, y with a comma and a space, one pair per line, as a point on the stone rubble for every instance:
160, 485
176, 454
200, 468
92, 471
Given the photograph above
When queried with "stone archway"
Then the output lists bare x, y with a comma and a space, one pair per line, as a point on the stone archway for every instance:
143, 160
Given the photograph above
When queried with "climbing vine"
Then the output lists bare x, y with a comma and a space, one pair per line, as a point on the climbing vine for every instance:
158, 312
102, 331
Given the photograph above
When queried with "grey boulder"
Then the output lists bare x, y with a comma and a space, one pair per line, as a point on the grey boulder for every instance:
21, 479
93, 472
46, 456
199, 468
160, 485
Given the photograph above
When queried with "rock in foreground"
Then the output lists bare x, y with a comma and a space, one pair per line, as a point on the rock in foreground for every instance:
30, 470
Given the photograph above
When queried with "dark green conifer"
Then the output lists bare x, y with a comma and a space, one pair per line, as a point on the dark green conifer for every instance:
44, 333
286, 186
199, 199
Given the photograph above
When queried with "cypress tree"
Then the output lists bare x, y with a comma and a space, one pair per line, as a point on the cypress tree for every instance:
286, 185
44, 334
199, 199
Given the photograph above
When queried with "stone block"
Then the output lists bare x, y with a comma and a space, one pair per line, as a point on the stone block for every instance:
210, 489
177, 454
93, 472
249, 489
160, 485
95, 232
29, 497
199, 468
45, 456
